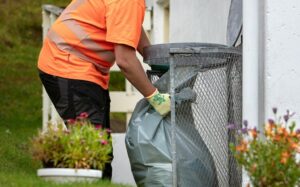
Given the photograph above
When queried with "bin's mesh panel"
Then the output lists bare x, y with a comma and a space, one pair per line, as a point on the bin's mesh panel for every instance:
153, 75
218, 85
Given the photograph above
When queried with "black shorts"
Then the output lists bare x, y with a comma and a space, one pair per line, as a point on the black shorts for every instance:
73, 97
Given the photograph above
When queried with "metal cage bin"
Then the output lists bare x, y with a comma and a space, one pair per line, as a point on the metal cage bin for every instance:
214, 73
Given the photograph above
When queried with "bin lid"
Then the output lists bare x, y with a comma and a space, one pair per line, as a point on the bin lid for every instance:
161, 51
234, 22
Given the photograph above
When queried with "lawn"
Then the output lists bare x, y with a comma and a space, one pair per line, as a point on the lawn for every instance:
21, 92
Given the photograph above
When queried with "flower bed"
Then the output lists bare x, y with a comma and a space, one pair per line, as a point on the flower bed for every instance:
270, 157
81, 146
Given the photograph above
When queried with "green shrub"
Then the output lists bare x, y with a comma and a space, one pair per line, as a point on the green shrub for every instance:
271, 158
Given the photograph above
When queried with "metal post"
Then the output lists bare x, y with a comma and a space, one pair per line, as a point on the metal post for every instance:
253, 109
46, 99
173, 120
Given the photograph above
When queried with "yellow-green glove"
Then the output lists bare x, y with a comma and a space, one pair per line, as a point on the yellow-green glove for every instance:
160, 102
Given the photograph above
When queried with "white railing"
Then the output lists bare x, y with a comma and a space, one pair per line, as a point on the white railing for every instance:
50, 14
121, 101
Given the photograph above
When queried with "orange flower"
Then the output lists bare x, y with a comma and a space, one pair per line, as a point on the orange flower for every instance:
298, 133
253, 133
295, 146
282, 131
269, 129
277, 138
242, 147
284, 157
289, 140
293, 134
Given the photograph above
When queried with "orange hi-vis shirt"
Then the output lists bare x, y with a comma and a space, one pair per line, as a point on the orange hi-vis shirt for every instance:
80, 44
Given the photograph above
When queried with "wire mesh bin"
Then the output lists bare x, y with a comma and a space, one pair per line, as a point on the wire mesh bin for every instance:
214, 73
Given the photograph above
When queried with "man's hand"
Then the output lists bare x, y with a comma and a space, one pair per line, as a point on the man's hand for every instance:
160, 102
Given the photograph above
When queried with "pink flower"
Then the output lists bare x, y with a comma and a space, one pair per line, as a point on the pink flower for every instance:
71, 121
84, 115
108, 130
98, 126
104, 142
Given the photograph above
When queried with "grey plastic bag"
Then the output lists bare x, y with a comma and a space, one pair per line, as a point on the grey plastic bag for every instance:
148, 143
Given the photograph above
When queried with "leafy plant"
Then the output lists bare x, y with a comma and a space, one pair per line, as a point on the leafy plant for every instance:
269, 158
82, 145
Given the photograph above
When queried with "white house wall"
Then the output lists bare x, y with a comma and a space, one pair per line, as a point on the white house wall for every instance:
157, 33
282, 56
198, 20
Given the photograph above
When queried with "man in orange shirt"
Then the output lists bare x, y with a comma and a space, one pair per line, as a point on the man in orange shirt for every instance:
82, 45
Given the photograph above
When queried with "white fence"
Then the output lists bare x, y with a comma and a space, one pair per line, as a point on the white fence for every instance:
121, 101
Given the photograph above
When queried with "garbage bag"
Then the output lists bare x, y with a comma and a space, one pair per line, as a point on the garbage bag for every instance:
148, 142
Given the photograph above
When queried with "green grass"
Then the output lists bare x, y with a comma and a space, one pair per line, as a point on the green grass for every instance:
21, 92
25, 180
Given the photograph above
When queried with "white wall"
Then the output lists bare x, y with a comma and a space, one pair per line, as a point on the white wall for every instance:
198, 21
282, 56
158, 23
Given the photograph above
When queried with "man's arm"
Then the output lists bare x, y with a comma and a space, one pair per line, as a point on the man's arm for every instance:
144, 42
132, 69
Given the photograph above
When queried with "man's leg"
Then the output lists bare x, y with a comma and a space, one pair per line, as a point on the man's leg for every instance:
73, 97
91, 98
